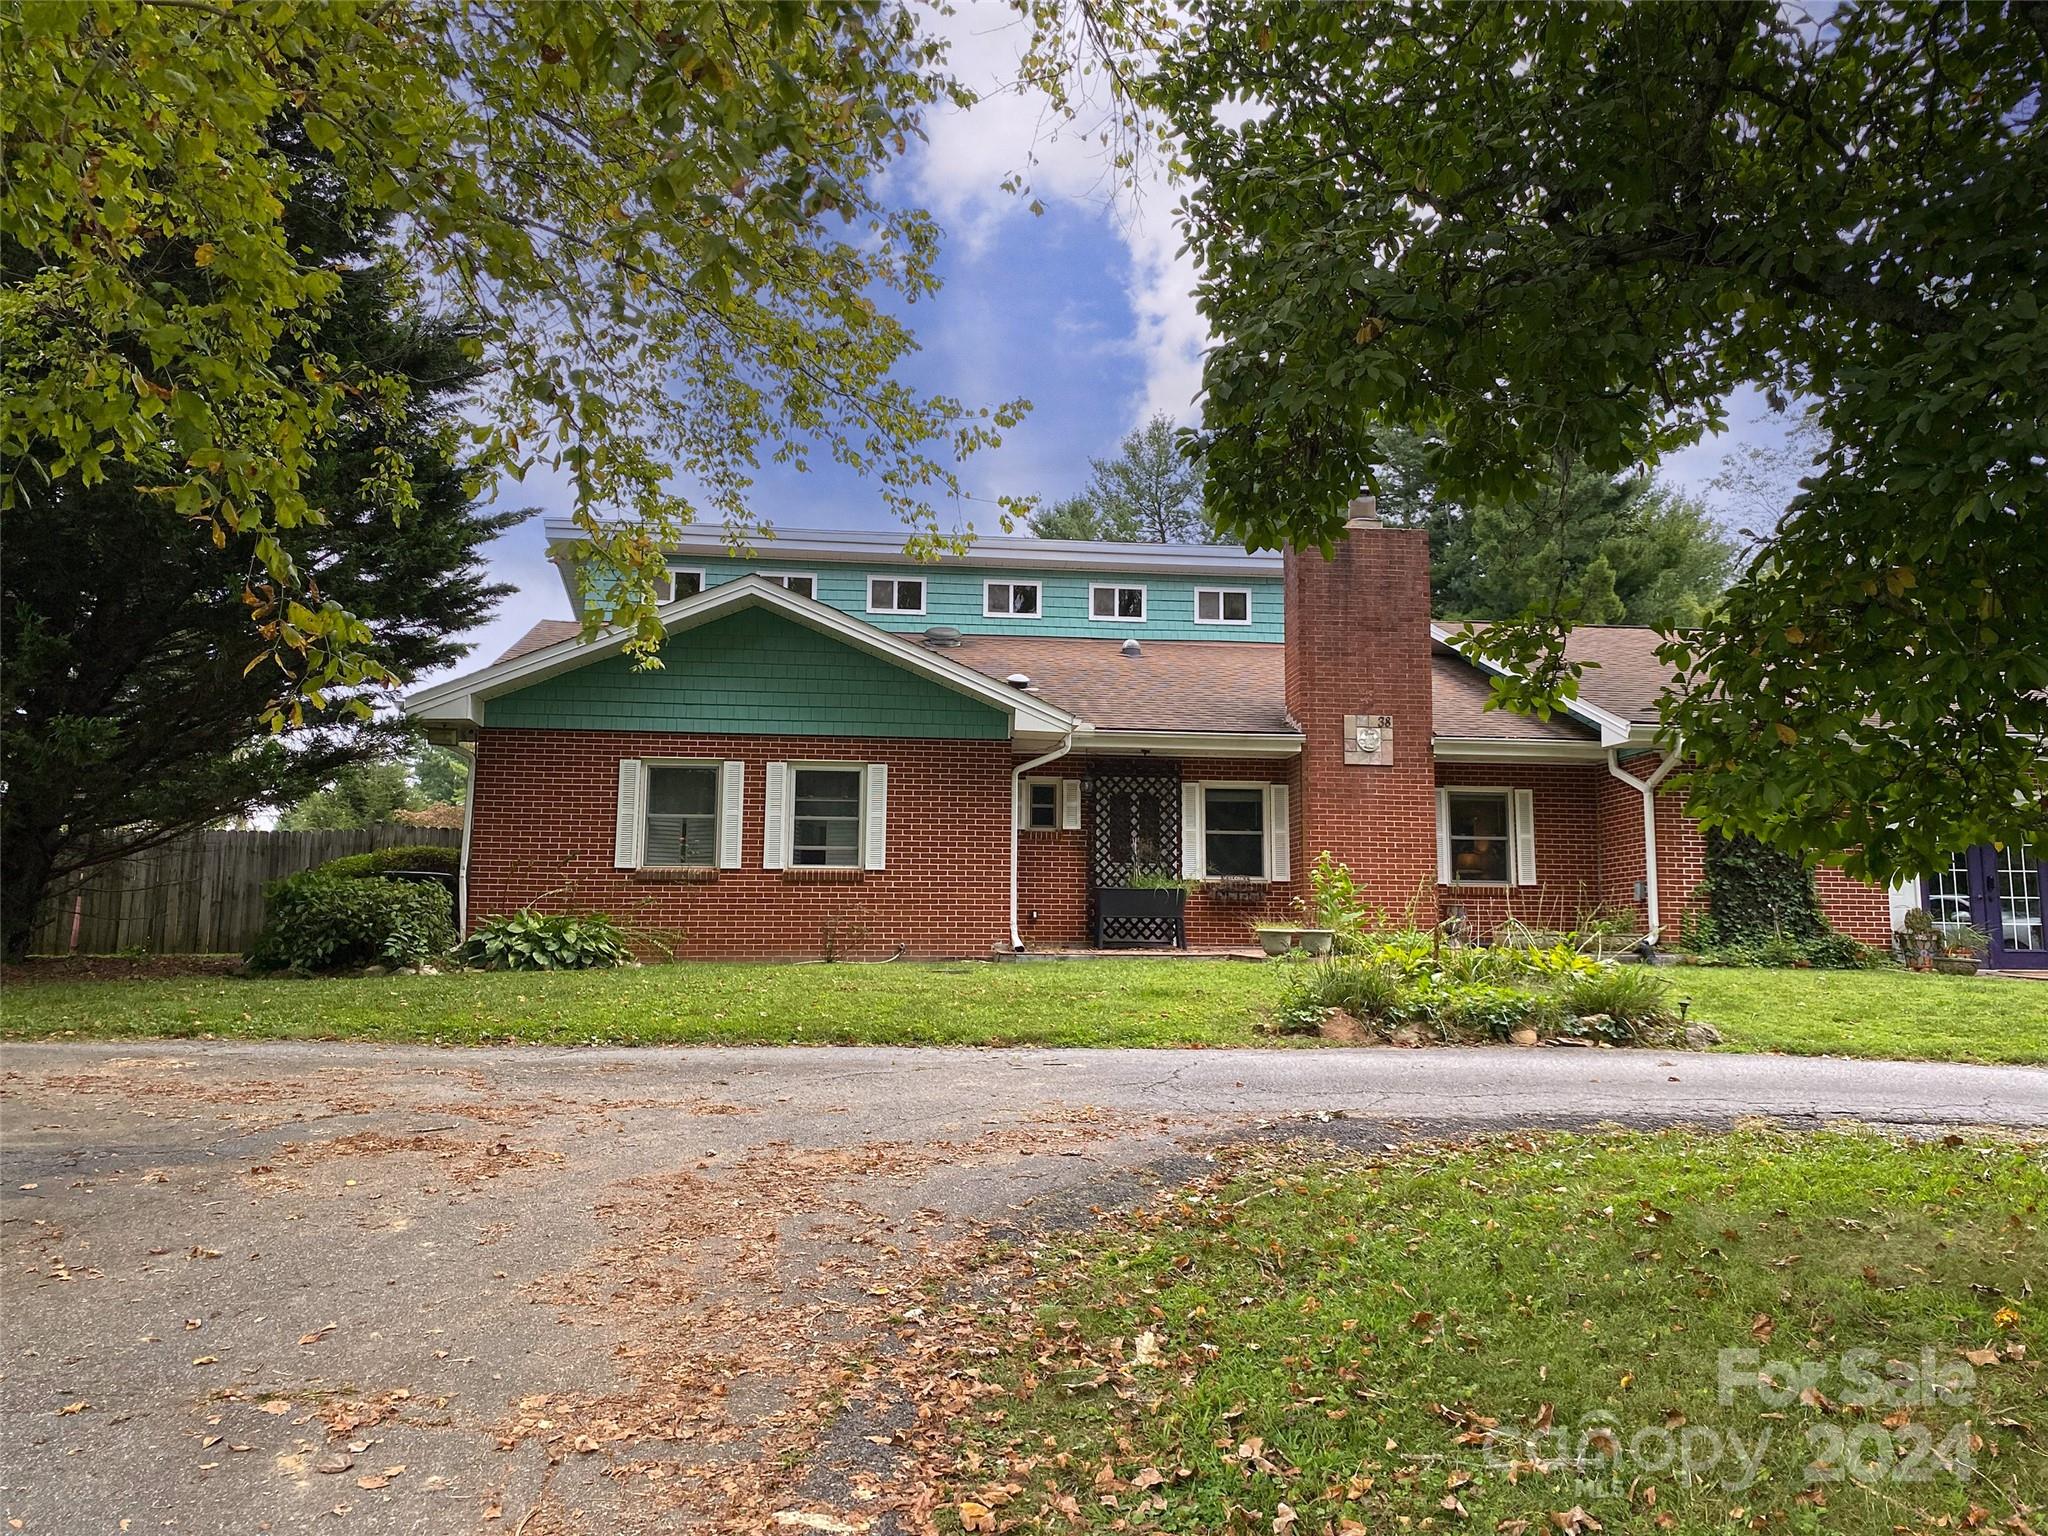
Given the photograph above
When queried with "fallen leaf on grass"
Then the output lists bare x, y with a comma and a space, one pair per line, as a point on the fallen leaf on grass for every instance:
976, 1517
1980, 1356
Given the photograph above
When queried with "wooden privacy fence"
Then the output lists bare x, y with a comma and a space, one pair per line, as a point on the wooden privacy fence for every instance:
197, 895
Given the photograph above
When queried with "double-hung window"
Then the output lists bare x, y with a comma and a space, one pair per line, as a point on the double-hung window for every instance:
895, 594
1478, 833
680, 828
804, 585
825, 822
1233, 832
1116, 604
1040, 810
1486, 836
678, 581
1223, 605
1010, 599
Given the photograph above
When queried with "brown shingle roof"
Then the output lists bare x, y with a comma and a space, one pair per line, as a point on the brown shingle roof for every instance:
544, 634
1627, 677
1172, 685
1459, 691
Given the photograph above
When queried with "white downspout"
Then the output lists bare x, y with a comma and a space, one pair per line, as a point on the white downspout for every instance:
1016, 790
1648, 789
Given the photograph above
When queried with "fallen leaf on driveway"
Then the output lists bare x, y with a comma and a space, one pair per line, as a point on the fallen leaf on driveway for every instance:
373, 1482
70, 1408
277, 1405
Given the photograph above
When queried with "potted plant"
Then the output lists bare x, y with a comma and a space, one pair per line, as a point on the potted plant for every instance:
1918, 940
1963, 946
1276, 939
1143, 895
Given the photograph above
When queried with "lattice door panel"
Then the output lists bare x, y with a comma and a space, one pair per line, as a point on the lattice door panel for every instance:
1135, 831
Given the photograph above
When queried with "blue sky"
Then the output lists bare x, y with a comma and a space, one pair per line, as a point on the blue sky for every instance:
1086, 310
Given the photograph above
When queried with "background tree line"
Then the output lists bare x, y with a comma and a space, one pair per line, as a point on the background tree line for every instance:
1607, 549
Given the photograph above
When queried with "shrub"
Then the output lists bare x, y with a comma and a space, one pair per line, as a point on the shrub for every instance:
1486, 1010
1633, 996
1366, 992
438, 858
315, 921
548, 941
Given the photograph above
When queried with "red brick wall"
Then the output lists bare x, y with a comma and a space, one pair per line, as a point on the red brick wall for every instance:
1568, 846
1358, 644
1861, 911
545, 811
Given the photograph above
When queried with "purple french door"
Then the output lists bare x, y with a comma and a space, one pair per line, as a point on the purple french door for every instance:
2004, 892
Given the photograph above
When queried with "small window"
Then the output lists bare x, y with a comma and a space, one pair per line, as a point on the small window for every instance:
1009, 599
896, 594
1223, 605
802, 586
1233, 833
678, 582
682, 816
1116, 603
1041, 805
1479, 837
825, 824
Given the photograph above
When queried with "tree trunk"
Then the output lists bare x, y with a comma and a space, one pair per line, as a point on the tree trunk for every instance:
21, 893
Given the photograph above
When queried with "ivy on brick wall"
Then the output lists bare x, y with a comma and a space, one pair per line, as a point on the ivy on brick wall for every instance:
1755, 893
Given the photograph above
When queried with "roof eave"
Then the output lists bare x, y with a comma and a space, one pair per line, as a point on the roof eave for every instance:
870, 547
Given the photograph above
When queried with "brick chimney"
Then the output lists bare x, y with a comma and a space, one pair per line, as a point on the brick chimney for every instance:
1358, 686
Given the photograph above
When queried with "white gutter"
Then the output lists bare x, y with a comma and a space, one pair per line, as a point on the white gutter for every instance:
1017, 789
1648, 789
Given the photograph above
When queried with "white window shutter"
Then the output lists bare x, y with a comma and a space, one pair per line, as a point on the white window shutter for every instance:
775, 817
1191, 831
1525, 837
877, 850
1070, 805
732, 788
1279, 838
626, 838
1443, 837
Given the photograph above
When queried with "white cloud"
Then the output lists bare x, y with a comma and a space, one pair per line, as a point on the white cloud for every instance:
960, 172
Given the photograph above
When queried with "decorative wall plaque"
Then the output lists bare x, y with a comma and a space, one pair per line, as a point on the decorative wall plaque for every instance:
1369, 740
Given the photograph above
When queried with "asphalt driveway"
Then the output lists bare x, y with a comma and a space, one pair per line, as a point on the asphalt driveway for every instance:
284, 1287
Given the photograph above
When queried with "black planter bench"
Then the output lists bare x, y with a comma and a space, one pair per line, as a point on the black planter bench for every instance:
1157, 915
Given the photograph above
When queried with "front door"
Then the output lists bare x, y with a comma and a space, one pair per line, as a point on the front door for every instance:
2002, 891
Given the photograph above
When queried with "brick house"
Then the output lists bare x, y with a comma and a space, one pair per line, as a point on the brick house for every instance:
846, 752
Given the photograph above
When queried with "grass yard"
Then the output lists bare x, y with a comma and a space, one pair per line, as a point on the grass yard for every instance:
1066, 1004
1527, 1335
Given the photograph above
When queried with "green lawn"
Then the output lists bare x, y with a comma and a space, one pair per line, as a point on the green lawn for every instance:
1067, 1004
1430, 1342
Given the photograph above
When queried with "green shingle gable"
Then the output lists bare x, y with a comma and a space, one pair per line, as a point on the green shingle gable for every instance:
754, 673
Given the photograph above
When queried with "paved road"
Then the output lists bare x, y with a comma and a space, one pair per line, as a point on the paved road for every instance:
300, 1287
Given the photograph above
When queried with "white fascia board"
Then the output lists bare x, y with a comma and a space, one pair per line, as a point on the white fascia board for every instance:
861, 546
1614, 730
1469, 749
462, 698
1198, 743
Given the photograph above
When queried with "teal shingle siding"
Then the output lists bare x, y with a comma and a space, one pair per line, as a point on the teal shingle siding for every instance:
751, 674
954, 596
